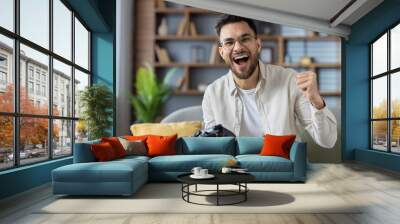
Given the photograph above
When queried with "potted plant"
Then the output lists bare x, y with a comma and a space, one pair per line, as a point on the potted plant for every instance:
151, 94
96, 102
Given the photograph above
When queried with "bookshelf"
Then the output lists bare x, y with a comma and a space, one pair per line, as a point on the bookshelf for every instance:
178, 45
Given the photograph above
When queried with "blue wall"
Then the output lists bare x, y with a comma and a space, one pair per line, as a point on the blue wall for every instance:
99, 16
356, 85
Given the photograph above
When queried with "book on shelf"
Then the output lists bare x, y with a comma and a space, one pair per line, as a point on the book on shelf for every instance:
160, 4
183, 28
215, 57
162, 55
193, 30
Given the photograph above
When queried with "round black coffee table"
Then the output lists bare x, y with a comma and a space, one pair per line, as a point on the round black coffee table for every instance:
238, 179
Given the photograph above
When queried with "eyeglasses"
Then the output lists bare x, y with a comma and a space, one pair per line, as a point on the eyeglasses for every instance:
229, 43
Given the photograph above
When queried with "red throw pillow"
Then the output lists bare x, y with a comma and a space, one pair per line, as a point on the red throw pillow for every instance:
277, 145
161, 145
116, 145
103, 151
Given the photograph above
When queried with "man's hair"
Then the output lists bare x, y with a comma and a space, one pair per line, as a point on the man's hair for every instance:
227, 19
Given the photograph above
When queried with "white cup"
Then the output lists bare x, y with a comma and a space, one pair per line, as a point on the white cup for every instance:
196, 170
203, 172
226, 170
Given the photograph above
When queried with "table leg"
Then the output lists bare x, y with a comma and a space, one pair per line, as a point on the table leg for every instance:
196, 188
217, 194
245, 191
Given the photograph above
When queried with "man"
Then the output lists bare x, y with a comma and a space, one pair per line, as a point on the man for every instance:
254, 98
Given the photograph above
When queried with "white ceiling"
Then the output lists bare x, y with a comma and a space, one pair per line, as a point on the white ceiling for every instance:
315, 15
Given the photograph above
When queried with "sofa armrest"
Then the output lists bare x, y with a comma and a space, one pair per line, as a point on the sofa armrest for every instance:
83, 152
298, 155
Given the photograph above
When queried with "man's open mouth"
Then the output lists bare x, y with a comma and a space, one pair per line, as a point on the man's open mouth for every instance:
241, 59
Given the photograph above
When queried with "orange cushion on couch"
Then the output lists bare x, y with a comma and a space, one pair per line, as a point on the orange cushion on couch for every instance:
116, 145
275, 145
161, 145
136, 137
103, 151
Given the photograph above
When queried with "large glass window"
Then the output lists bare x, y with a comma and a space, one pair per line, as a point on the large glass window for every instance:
385, 94
35, 21
7, 74
81, 45
62, 29
7, 14
40, 124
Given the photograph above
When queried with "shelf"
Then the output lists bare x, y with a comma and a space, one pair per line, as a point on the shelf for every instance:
312, 38
189, 92
198, 37
190, 65
316, 65
183, 10
330, 93
198, 93
209, 37
262, 37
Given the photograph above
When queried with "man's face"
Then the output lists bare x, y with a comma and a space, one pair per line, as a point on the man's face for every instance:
239, 48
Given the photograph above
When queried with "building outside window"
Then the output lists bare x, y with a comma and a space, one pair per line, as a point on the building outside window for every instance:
58, 133
385, 91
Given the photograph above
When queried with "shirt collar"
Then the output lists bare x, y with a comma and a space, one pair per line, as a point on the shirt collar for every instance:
231, 82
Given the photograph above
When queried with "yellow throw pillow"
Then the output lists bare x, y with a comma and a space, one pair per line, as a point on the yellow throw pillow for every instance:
186, 128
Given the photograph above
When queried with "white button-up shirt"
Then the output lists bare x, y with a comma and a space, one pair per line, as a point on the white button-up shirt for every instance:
280, 104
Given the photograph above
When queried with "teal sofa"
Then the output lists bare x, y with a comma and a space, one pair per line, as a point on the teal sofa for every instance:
125, 176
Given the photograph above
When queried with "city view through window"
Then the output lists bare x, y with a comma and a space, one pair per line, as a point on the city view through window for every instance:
385, 82
39, 113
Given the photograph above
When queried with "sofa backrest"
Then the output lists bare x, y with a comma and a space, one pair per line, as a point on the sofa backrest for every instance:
206, 145
249, 145
83, 152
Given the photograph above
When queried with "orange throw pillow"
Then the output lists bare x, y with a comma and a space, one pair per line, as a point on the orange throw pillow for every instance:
103, 151
277, 145
136, 137
161, 145
116, 145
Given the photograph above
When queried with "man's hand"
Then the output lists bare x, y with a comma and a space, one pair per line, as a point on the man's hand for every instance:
307, 83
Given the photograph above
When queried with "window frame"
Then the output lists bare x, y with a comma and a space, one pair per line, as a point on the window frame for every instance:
388, 74
16, 114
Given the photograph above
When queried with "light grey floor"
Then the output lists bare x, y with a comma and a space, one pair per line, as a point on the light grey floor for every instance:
378, 188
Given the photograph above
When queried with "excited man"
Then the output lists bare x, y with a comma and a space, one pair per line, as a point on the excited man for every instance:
254, 98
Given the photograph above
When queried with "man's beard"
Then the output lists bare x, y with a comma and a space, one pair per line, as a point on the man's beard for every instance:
253, 60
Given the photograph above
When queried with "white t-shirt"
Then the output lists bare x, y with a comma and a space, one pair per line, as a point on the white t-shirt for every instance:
251, 120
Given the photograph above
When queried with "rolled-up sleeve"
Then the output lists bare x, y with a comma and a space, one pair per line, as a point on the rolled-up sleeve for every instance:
208, 116
320, 124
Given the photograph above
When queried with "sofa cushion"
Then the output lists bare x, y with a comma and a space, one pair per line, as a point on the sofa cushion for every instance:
249, 145
206, 145
161, 145
185, 163
277, 145
187, 128
257, 163
137, 147
116, 145
103, 151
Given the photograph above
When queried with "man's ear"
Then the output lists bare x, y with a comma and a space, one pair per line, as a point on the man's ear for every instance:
259, 43
221, 52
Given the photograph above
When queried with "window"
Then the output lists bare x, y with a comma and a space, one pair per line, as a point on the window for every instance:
3, 61
385, 94
49, 80
3, 78
7, 14
30, 87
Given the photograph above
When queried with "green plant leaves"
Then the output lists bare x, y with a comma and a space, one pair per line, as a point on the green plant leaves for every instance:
150, 94
96, 102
